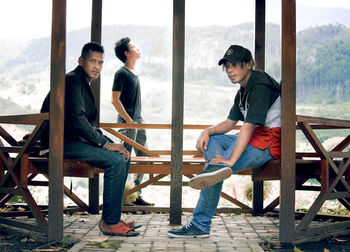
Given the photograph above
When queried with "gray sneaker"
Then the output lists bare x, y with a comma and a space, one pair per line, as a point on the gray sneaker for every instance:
212, 175
188, 230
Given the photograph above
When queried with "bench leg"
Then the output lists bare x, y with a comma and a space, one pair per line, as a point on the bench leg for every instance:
94, 206
258, 198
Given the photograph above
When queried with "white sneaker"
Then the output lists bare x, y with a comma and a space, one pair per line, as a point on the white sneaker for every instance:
212, 175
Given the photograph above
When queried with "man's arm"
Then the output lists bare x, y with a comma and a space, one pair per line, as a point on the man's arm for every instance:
220, 128
244, 136
118, 105
76, 120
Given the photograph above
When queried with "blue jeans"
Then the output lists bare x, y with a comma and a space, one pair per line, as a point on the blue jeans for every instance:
209, 198
115, 174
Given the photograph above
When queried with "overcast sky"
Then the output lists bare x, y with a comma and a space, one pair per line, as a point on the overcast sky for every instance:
32, 18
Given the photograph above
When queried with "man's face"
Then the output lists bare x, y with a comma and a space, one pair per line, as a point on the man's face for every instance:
133, 52
237, 73
92, 65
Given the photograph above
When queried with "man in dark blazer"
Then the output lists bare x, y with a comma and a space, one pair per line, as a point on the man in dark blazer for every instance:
83, 141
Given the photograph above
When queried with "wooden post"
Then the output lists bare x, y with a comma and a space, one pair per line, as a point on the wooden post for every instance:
287, 194
177, 111
57, 88
96, 34
260, 7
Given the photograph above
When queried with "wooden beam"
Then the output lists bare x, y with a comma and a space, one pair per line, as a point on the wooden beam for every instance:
57, 89
177, 110
260, 7
96, 35
30, 119
260, 10
287, 192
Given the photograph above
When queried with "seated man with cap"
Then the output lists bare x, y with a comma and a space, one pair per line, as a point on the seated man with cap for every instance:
257, 104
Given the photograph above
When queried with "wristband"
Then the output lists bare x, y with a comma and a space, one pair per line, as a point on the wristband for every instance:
107, 145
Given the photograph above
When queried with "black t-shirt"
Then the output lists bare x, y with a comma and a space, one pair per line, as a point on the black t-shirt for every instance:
128, 84
255, 100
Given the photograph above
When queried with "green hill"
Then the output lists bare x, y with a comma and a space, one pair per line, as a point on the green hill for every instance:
323, 57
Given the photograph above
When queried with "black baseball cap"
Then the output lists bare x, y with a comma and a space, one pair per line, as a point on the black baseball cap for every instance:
236, 53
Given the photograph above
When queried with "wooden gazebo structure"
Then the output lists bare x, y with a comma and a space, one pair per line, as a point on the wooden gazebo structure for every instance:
287, 228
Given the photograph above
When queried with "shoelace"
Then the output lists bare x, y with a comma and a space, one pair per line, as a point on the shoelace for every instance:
188, 225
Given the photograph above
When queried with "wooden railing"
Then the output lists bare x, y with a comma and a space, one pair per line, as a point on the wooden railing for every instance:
330, 167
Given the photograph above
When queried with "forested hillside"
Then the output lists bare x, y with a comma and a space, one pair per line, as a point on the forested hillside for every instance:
323, 63
323, 59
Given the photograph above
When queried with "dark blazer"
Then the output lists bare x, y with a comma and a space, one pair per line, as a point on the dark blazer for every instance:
80, 112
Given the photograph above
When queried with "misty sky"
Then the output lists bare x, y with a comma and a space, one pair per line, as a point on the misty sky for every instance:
25, 19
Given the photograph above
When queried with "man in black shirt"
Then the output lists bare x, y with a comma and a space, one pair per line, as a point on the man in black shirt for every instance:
83, 141
126, 98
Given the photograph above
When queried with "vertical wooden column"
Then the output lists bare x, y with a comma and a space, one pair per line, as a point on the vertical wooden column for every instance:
260, 10
177, 111
57, 88
287, 190
96, 35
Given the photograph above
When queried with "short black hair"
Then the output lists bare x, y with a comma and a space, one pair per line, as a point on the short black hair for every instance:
91, 46
122, 46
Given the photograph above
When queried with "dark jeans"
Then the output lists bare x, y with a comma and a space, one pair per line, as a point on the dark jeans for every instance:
115, 174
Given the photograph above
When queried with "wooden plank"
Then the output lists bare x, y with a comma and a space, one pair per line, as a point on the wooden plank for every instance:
167, 159
331, 154
96, 35
163, 169
24, 170
177, 110
343, 144
57, 93
260, 9
324, 175
14, 223
318, 237
11, 166
337, 154
154, 126
313, 140
288, 74
321, 199
144, 184
17, 149
323, 121
234, 201
317, 145
338, 195
129, 141
340, 171
29, 119
327, 228
33, 207
7, 137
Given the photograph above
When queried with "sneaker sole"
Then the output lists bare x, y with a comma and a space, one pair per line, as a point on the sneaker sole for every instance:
188, 236
206, 180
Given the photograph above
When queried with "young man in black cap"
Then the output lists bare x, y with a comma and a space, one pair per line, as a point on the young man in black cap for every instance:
257, 105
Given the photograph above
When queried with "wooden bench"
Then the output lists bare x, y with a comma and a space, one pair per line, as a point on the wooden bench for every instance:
23, 167
330, 168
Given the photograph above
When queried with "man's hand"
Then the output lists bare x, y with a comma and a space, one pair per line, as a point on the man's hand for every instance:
221, 160
203, 140
121, 149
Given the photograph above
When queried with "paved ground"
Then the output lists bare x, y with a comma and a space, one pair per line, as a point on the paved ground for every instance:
229, 233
